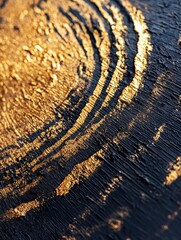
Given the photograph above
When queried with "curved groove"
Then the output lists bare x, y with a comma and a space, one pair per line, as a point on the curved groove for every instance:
49, 155
52, 142
143, 51
127, 78
33, 154
144, 48
86, 113
74, 31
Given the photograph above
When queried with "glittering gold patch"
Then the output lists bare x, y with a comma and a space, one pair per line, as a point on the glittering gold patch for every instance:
46, 53
174, 171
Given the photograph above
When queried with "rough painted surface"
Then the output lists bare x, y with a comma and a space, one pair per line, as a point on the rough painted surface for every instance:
90, 119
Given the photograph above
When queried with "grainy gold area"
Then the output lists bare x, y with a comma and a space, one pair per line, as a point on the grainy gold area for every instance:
81, 171
64, 68
36, 71
174, 171
21, 210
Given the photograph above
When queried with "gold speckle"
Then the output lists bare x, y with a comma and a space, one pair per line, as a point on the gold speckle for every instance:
159, 132
21, 210
174, 171
116, 221
113, 185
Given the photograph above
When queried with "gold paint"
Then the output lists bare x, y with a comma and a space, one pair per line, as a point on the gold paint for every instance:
144, 49
27, 64
104, 52
115, 222
14, 189
113, 185
140, 150
35, 70
174, 172
160, 84
159, 132
21, 210
67, 238
117, 76
49, 57
36, 52
80, 172
118, 29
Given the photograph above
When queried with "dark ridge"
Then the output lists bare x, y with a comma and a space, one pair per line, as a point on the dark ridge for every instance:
74, 31
113, 60
3, 3
127, 78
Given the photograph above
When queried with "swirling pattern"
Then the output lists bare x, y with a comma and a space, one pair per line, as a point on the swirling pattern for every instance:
76, 68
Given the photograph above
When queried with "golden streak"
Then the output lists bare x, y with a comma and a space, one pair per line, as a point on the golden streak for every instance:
85, 169
144, 49
80, 172
159, 132
49, 61
21, 210
104, 46
14, 189
38, 65
118, 29
174, 172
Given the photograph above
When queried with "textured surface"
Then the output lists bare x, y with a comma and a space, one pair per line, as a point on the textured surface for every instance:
90, 120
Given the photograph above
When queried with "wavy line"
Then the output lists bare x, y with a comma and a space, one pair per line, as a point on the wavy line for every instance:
86, 111
31, 153
144, 49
